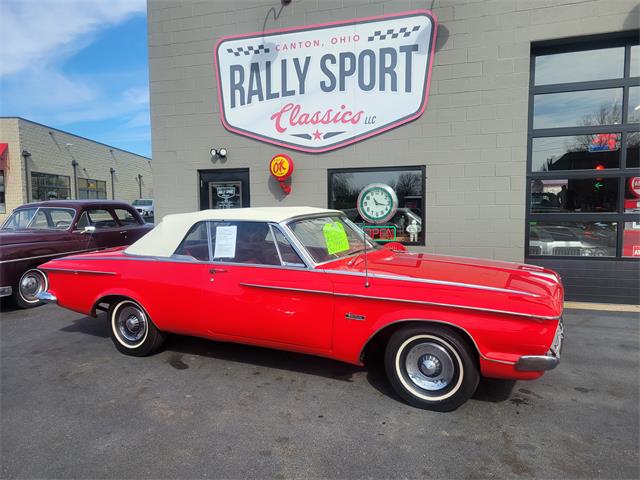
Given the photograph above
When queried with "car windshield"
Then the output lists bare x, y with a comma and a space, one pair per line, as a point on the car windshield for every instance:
329, 237
40, 218
142, 203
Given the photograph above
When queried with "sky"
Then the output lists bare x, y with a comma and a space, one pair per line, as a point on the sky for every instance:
79, 66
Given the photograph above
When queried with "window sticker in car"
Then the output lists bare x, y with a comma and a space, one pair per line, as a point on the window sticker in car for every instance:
335, 237
226, 242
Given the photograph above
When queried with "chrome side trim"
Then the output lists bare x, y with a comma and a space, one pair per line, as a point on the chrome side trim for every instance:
432, 282
47, 297
49, 255
289, 289
76, 271
402, 300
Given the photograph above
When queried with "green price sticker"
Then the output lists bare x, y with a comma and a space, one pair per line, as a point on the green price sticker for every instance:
335, 237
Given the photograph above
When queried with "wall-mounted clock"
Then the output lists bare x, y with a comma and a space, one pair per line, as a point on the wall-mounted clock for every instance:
377, 203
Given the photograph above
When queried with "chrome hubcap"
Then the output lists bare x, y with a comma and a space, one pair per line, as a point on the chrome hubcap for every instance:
32, 284
131, 324
429, 366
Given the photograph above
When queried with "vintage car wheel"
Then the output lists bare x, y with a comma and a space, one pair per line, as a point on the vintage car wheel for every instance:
31, 283
431, 367
132, 331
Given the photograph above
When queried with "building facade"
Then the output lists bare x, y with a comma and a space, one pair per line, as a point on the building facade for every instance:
509, 128
44, 163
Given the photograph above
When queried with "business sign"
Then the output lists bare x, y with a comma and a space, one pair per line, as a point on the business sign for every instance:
281, 167
381, 233
634, 186
320, 87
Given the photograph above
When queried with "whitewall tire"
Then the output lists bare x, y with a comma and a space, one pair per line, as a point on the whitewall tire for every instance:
31, 283
431, 367
132, 331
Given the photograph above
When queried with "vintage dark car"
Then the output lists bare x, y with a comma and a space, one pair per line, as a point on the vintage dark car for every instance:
38, 232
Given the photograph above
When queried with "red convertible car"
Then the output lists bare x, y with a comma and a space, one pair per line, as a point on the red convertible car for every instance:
307, 280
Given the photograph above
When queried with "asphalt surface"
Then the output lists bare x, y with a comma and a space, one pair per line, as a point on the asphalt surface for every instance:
73, 407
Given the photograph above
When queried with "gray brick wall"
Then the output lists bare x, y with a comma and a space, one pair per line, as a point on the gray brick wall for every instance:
50, 153
472, 136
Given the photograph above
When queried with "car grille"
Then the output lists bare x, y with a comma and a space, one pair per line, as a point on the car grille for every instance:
567, 251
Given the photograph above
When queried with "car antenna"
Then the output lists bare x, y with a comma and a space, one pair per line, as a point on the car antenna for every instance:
366, 267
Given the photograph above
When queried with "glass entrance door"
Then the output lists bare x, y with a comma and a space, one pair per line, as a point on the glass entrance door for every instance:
224, 188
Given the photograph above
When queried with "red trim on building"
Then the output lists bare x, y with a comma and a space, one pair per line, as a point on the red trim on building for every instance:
4, 156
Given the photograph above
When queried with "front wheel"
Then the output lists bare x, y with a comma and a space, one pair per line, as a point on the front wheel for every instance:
431, 367
132, 331
32, 282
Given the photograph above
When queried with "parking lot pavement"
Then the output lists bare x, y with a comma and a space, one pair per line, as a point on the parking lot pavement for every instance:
72, 406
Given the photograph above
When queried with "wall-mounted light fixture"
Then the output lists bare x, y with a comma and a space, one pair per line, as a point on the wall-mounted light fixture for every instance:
218, 154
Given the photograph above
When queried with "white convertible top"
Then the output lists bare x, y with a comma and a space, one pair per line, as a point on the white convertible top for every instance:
163, 240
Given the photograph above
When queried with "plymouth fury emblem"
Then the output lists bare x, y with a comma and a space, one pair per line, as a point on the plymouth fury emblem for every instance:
320, 87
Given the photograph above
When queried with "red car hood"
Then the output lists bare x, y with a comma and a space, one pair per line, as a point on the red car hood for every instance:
475, 278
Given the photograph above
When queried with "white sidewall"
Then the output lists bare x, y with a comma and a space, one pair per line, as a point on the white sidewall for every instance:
44, 289
410, 387
114, 326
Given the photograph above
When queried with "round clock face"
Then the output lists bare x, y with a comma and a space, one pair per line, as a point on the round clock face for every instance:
377, 203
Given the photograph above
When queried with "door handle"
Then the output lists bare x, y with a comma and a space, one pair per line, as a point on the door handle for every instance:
217, 270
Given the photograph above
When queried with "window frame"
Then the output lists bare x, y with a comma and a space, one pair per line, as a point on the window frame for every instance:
177, 257
44, 174
96, 190
419, 168
626, 39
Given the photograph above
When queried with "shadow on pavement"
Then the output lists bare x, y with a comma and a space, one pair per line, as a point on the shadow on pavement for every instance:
489, 389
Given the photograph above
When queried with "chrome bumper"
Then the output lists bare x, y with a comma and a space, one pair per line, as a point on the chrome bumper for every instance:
5, 291
537, 363
47, 297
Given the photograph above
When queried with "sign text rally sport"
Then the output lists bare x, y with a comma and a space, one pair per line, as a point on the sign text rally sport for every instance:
320, 87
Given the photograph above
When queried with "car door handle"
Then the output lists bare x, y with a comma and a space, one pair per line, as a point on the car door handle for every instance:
217, 270
123, 233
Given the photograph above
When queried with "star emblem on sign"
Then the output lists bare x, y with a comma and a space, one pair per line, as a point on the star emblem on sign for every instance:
317, 135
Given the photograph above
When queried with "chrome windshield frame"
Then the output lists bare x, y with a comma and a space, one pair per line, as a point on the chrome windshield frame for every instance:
35, 214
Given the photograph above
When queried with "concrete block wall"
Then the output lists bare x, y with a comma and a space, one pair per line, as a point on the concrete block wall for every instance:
472, 137
52, 151
14, 175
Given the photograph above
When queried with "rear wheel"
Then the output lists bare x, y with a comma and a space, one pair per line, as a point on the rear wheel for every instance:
132, 331
431, 367
31, 283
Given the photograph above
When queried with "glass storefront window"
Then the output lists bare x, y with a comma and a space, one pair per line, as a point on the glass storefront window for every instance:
572, 239
579, 152
577, 109
45, 186
632, 195
635, 61
3, 205
631, 240
633, 145
90, 189
582, 66
633, 111
408, 185
574, 195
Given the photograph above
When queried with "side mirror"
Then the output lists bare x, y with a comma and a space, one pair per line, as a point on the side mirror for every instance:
88, 229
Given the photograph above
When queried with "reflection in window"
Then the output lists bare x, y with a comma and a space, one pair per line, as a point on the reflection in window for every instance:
408, 184
580, 66
580, 152
632, 195
196, 243
633, 145
573, 239
574, 109
253, 244
634, 104
90, 189
635, 61
631, 240
101, 218
45, 186
574, 195
3, 206
125, 217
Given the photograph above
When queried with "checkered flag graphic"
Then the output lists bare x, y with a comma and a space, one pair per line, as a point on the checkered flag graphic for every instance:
248, 50
383, 34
